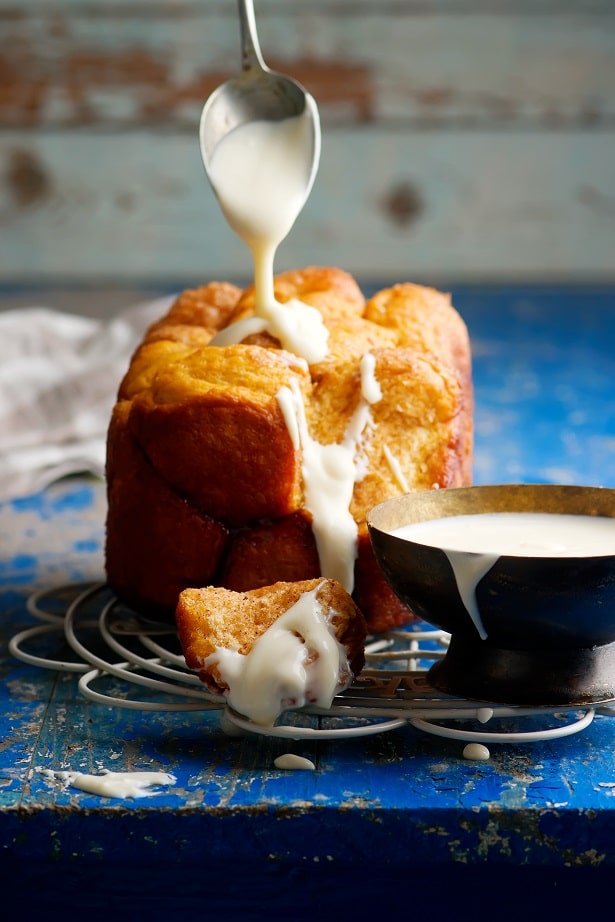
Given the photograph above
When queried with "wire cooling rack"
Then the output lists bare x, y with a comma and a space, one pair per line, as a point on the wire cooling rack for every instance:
117, 654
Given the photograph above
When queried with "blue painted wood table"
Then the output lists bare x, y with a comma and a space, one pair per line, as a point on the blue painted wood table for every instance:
397, 821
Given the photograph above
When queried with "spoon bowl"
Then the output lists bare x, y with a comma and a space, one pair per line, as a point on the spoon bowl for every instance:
256, 94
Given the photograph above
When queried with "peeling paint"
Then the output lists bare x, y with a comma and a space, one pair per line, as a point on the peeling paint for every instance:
403, 204
27, 178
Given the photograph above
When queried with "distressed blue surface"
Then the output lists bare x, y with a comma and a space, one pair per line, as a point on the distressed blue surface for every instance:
377, 810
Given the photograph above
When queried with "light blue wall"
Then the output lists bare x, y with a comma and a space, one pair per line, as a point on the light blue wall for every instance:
462, 140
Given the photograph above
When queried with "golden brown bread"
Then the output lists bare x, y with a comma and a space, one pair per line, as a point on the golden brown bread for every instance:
212, 617
205, 485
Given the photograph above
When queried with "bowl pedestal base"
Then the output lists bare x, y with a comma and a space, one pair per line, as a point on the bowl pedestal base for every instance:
478, 670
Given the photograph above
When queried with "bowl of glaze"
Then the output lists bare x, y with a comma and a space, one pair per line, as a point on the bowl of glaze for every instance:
522, 577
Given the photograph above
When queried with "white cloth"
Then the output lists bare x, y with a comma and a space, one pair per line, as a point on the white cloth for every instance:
59, 375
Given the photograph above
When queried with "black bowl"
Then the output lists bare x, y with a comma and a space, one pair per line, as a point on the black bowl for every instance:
548, 623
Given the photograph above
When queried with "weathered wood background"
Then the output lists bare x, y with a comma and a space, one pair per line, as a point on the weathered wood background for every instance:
462, 139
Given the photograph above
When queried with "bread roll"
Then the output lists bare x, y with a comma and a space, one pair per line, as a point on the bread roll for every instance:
316, 651
207, 477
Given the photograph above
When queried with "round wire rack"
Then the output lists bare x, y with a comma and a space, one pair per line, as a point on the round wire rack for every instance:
126, 661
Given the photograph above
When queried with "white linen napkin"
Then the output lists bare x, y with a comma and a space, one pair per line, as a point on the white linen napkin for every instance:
59, 375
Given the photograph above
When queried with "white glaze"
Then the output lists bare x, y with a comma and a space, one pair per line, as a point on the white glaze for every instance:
469, 569
260, 172
484, 715
115, 784
477, 752
330, 473
473, 543
291, 762
370, 386
298, 660
237, 331
396, 470
328, 478
518, 534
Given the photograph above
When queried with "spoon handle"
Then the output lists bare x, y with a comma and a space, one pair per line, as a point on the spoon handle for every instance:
251, 57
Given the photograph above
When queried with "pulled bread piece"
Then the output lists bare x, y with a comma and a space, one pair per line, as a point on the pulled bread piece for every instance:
207, 482
274, 648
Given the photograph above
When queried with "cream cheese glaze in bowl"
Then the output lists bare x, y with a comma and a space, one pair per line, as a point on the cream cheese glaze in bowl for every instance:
530, 611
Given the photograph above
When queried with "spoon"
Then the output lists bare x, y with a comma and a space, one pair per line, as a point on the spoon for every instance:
256, 94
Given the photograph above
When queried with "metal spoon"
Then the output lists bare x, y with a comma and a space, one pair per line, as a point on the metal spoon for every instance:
256, 94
